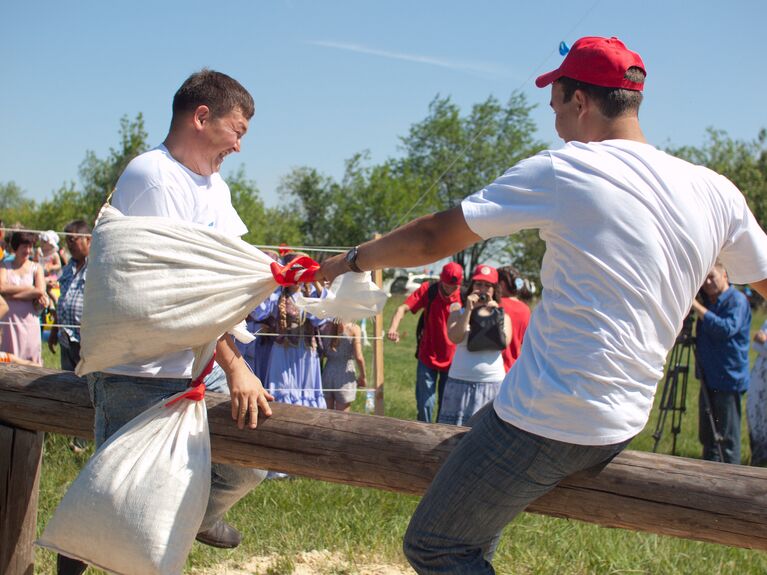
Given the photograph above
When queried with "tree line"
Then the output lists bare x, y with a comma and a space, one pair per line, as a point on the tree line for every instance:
445, 157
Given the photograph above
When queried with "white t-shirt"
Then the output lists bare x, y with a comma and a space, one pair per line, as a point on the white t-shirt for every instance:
155, 184
476, 366
631, 233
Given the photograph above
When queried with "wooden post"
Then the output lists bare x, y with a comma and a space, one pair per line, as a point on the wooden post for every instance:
21, 454
378, 351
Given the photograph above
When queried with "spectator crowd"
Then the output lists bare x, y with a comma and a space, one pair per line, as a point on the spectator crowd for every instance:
468, 336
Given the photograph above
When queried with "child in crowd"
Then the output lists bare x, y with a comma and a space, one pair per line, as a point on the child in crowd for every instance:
339, 377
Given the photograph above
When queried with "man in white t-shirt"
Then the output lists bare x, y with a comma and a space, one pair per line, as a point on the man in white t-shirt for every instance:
630, 235
180, 179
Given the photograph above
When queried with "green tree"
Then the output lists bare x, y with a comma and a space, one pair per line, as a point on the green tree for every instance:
99, 176
15, 207
743, 162
12, 197
313, 197
446, 157
266, 226
460, 155
65, 205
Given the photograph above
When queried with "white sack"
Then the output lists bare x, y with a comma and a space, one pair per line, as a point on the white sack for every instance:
137, 505
350, 297
157, 286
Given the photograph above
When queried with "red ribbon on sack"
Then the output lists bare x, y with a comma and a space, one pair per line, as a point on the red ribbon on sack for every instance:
303, 269
196, 391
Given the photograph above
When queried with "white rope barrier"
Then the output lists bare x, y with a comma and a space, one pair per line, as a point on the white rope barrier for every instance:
14, 230
324, 249
257, 334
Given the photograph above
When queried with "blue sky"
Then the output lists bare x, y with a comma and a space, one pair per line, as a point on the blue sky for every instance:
332, 78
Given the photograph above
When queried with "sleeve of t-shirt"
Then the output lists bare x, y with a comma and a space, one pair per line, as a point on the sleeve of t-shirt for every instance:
520, 199
744, 255
417, 300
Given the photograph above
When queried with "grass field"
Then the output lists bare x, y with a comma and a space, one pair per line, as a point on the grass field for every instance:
289, 517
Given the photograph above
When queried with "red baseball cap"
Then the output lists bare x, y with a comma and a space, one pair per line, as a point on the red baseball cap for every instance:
485, 273
452, 273
598, 61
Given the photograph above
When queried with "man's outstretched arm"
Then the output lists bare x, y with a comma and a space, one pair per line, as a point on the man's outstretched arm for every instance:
422, 241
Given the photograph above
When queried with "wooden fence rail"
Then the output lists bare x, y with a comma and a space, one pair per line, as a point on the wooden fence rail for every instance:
639, 491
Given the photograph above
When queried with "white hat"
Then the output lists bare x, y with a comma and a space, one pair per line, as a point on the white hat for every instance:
51, 237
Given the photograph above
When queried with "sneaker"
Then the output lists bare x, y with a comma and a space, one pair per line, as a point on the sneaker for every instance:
221, 535
68, 566
78, 445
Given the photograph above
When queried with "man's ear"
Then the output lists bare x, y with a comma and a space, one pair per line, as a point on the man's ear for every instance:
201, 116
581, 101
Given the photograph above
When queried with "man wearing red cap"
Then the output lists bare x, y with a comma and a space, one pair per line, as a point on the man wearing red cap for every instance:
631, 234
435, 350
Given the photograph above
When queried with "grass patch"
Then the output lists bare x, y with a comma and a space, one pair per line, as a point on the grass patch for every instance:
292, 516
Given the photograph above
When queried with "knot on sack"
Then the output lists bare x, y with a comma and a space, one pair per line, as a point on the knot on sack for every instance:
196, 391
302, 269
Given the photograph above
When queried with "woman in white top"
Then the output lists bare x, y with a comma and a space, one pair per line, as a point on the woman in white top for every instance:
481, 331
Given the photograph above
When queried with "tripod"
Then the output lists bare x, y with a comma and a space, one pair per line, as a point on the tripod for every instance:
674, 393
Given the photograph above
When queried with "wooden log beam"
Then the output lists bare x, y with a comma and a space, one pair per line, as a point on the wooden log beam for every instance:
639, 491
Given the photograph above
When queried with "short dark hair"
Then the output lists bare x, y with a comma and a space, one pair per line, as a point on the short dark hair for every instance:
612, 102
508, 275
77, 227
21, 238
219, 92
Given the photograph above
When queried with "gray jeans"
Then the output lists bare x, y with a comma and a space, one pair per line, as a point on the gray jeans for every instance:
119, 398
494, 472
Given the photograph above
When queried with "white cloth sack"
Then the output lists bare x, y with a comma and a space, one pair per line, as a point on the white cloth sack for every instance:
157, 286
136, 507
350, 297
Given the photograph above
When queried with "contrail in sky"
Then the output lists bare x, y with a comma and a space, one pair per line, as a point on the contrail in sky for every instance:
462, 65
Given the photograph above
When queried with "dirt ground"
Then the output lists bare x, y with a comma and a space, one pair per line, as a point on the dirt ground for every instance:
309, 563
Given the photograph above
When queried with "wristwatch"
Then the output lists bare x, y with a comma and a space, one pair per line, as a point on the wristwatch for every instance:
351, 260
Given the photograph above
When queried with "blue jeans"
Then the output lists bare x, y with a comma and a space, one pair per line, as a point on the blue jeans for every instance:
726, 410
491, 476
119, 398
426, 390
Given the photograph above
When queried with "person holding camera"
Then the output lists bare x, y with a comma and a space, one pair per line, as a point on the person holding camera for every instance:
723, 333
481, 330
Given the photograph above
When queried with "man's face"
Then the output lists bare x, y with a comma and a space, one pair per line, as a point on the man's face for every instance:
447, 288
565, 113
222, 137
715, 283
79, 247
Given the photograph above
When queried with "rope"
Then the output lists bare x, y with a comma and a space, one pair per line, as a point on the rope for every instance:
327, 249
257, 333
43, 231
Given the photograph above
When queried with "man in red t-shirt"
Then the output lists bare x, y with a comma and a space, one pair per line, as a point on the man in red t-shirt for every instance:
435, 350
509, 284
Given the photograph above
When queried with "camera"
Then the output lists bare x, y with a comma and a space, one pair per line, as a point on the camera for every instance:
483, 297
